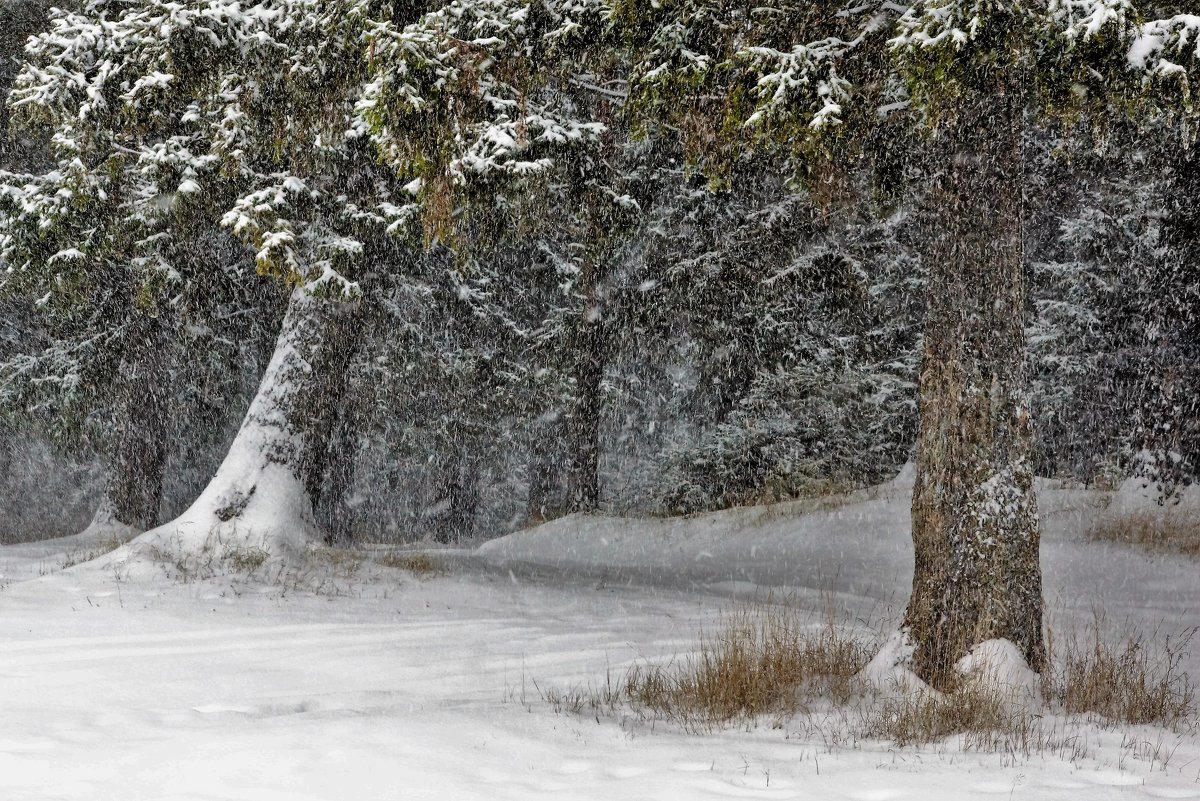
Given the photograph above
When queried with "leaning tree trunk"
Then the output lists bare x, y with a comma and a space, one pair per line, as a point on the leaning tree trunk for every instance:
135, 477
261, 495
974, 514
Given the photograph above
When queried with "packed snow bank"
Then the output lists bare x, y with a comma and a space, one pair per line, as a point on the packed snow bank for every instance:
854, 552
1138, 495
1135, 495
857, 545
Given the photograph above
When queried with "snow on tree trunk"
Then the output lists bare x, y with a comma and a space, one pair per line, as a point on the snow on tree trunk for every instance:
135, 477
261, 495
975, 526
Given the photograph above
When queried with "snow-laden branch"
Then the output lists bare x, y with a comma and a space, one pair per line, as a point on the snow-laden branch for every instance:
806, 76
457, 83
1162, 46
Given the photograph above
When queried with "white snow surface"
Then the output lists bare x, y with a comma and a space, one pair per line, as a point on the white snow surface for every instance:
1000, 663
379, 685
888, 672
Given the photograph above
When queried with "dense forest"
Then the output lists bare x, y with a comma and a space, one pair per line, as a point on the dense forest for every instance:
641, 316
363, 271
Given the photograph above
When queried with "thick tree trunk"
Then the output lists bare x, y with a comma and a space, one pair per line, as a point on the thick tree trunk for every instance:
135, 477
975, 527
261, 496
583, 426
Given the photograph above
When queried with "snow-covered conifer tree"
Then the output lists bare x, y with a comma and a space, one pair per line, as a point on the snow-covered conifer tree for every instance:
271, 119
971, 73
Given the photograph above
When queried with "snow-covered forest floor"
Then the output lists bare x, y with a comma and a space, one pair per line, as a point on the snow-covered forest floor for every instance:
353, 680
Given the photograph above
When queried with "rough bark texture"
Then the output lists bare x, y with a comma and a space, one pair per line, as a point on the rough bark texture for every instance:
334, 513
135, 478
975, 527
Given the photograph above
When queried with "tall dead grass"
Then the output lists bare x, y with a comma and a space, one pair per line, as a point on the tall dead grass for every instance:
1168, 532
1137, 679
418, 563
763, 661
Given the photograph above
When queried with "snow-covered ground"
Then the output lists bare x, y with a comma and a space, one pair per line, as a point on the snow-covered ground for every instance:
381, 685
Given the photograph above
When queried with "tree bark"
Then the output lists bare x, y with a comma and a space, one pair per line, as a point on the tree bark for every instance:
583, 427
135, 479
8, 435
975, 526
337, 424
334, 512
458, 478
261, 496
541, 502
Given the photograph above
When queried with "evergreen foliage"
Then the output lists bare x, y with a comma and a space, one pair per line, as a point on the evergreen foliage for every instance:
634, 255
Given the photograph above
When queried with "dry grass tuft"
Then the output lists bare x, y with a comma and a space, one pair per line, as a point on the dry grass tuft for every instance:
106, 545
342, 562
1169, 532
988, 716
764, 661
416, 562
245, 559
1137, 680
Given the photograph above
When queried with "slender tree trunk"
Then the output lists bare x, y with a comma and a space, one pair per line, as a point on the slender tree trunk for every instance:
445, 477
975, 525
135, 478
540, 502
6, 453
338, 423
458, 478
261, 496
464, 500
583, 427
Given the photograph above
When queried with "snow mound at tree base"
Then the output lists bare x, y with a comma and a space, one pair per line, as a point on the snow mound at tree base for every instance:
105, 526
999, 664
996, 665
241, 521
890, 672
